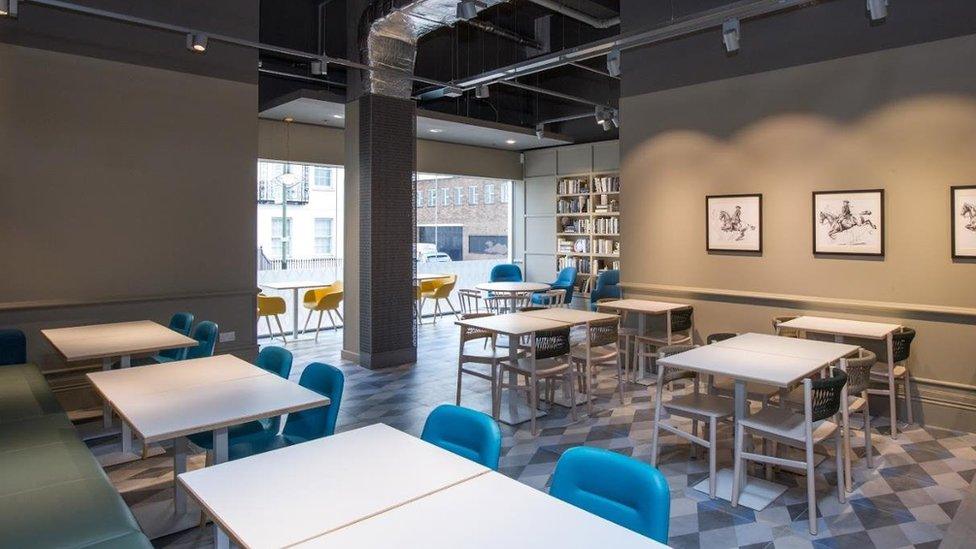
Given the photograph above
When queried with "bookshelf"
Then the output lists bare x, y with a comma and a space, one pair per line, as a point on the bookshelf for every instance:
588, 225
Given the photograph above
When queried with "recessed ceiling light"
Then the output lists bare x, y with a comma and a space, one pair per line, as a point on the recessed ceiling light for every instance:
289, 119
510, 141
435, 130
196, 42
340, 116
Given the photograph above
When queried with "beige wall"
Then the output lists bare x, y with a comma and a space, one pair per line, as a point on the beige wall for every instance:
321, 144
126, 192
902, 119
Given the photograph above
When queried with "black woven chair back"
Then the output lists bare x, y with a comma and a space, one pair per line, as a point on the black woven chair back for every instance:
681, 320
551, 343
674, 374
604, 332
468, 333
859, 372
785, 332
532, 308
721, 336
826, 394
901, 342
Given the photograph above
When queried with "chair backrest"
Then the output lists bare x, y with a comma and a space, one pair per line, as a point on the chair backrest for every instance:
626, 491
506, 272
859, 372
566, 280
326, 380
681, 319
531, 308
270, 305
667, 375
446, 287
468, 333
465, 432
902, 343
13, 347
556, 297
330, 300
824, 394
603, 332
206, 335
276, 360
179, 322
552, 343
470, 300
607, 285
785, 332
720, 336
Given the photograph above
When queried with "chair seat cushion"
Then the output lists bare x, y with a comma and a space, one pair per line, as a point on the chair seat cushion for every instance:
597, 354
754, 391
880, 371
786, 423
661, 338
543, 368
625, 331
702, 405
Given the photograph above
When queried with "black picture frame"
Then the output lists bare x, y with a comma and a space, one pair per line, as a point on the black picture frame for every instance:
815, 221
954, 212
709, 245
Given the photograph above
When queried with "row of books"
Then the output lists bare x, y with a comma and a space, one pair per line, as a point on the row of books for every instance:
606, 246
606, 184
579, 245
606, 225
606, 203
576, 204
572, 186
586, 266
575, 225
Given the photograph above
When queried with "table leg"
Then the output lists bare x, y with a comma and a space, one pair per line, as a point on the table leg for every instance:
294, 315
512, 415
106, 409
125, 362
892, 395
742, 412
220, 445
179, 466
642, 363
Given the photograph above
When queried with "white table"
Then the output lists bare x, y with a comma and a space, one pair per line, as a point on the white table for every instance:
643, 309
514, 326
486, 512
772, 360
294, 494
511, 290
841, 328
172, 400
420, 277
295, 286
108, 342
575, 317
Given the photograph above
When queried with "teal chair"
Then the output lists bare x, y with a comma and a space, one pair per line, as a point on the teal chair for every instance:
607, 285
180, 323
465, 432
565, 280
325, 379
506, 272
624, 491
13, 347
206, 335
277, 361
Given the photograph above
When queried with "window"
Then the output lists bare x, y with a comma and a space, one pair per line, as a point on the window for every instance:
503, 192
323, 236
432, 193
420, 199
323, 177
489, 193
276, 235
446, 194
458, 196
473, 195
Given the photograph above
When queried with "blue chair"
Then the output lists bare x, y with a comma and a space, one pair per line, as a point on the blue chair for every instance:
206, 335
565, 280
325, 379
618, 488
179, 322
277, 361
13, 347
465, 432
506, 272
607, 286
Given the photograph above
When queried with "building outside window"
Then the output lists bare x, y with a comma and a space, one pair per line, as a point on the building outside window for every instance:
323, 236
489, 193
277, 235
323, 177
466, 218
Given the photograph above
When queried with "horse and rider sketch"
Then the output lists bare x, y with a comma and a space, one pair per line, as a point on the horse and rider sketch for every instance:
733, 223
969, 212
845, 220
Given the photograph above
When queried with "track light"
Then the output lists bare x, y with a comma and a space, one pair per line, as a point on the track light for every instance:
615, 119
730, 35
605, 117
540, 130
8, 8
468, 9
453, 92
481, 92
319, 67
196, 42
877, 10
613, 63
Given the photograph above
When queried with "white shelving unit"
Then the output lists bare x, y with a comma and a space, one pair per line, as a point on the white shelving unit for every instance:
588, 225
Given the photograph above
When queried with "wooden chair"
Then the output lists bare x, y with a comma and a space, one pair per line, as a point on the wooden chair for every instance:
551, 298
628, 338
548, 359
901, 350
600, 349
858, 380
471, 301
487, 355
681, 332
820, 419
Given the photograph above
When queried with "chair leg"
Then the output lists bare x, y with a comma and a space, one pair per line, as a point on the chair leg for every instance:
451, 305
534, 399
571, 381
907, 386
270, 331
712, 451
495, 401
659, 392
868, 444
843, 473
338, 314
281, 329
319, 326
307, 318
846, 426
811, 490
737, 465
620, 382
457, 394
332, 320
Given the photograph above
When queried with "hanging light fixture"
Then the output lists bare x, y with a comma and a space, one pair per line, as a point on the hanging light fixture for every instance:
196, 42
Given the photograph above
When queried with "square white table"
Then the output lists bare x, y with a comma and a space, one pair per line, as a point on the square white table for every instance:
172, 400
295, 286
300, 492
514, 325
108, 342
486, 512
841, 328
574, 316
644, 308
772, 360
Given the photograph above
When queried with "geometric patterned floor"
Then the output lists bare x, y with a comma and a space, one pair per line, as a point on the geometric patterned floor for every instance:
907, 500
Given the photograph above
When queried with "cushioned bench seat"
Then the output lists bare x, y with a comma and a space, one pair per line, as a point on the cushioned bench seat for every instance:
52, 491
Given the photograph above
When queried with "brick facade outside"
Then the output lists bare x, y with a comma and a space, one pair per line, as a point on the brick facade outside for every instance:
468, 215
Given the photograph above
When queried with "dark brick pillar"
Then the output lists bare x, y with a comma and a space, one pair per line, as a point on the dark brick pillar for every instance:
387, 142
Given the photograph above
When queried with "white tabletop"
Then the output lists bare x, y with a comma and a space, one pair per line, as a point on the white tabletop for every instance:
643, 306
206, 394
486, 512
514, 324
295, 284
824, 351
841, 327
574, 316
513, 287
113, 340
429, 276
778, 370
287, 496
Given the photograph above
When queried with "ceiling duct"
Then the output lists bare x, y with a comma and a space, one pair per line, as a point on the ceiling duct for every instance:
388, 36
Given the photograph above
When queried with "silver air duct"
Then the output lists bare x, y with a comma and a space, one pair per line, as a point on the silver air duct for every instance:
388, 39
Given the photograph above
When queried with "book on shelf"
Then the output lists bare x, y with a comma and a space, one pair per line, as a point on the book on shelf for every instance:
606, 184
572, 185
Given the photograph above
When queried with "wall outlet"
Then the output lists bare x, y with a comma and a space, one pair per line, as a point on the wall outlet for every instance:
226, 337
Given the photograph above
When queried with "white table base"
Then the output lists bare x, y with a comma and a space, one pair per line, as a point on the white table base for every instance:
517, 412
757, 494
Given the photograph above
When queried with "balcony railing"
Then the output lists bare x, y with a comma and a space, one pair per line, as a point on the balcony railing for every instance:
269, 192
266, 263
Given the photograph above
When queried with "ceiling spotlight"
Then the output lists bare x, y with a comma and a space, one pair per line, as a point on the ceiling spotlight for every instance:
196, 42
615, 119
435, 130
481, 92
319, 67
289, 119
338, 116
877, 9
8, 8
730, 35
453, 92
605, 116
468, 9
613, 63
540, 130
510, 141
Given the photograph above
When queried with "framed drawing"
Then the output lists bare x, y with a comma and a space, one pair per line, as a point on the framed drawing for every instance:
849, 222
733, 223
963, 201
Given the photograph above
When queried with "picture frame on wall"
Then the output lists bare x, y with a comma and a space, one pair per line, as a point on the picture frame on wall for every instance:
733, 223
963, 203
849, 223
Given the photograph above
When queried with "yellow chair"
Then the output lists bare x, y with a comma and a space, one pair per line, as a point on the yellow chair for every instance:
440, 288
421, 292
323, 300
269, 306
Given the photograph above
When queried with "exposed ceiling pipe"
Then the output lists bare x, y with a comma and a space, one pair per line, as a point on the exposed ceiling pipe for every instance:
578, 15
504, 33
553, 93
302, 77
594, 70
